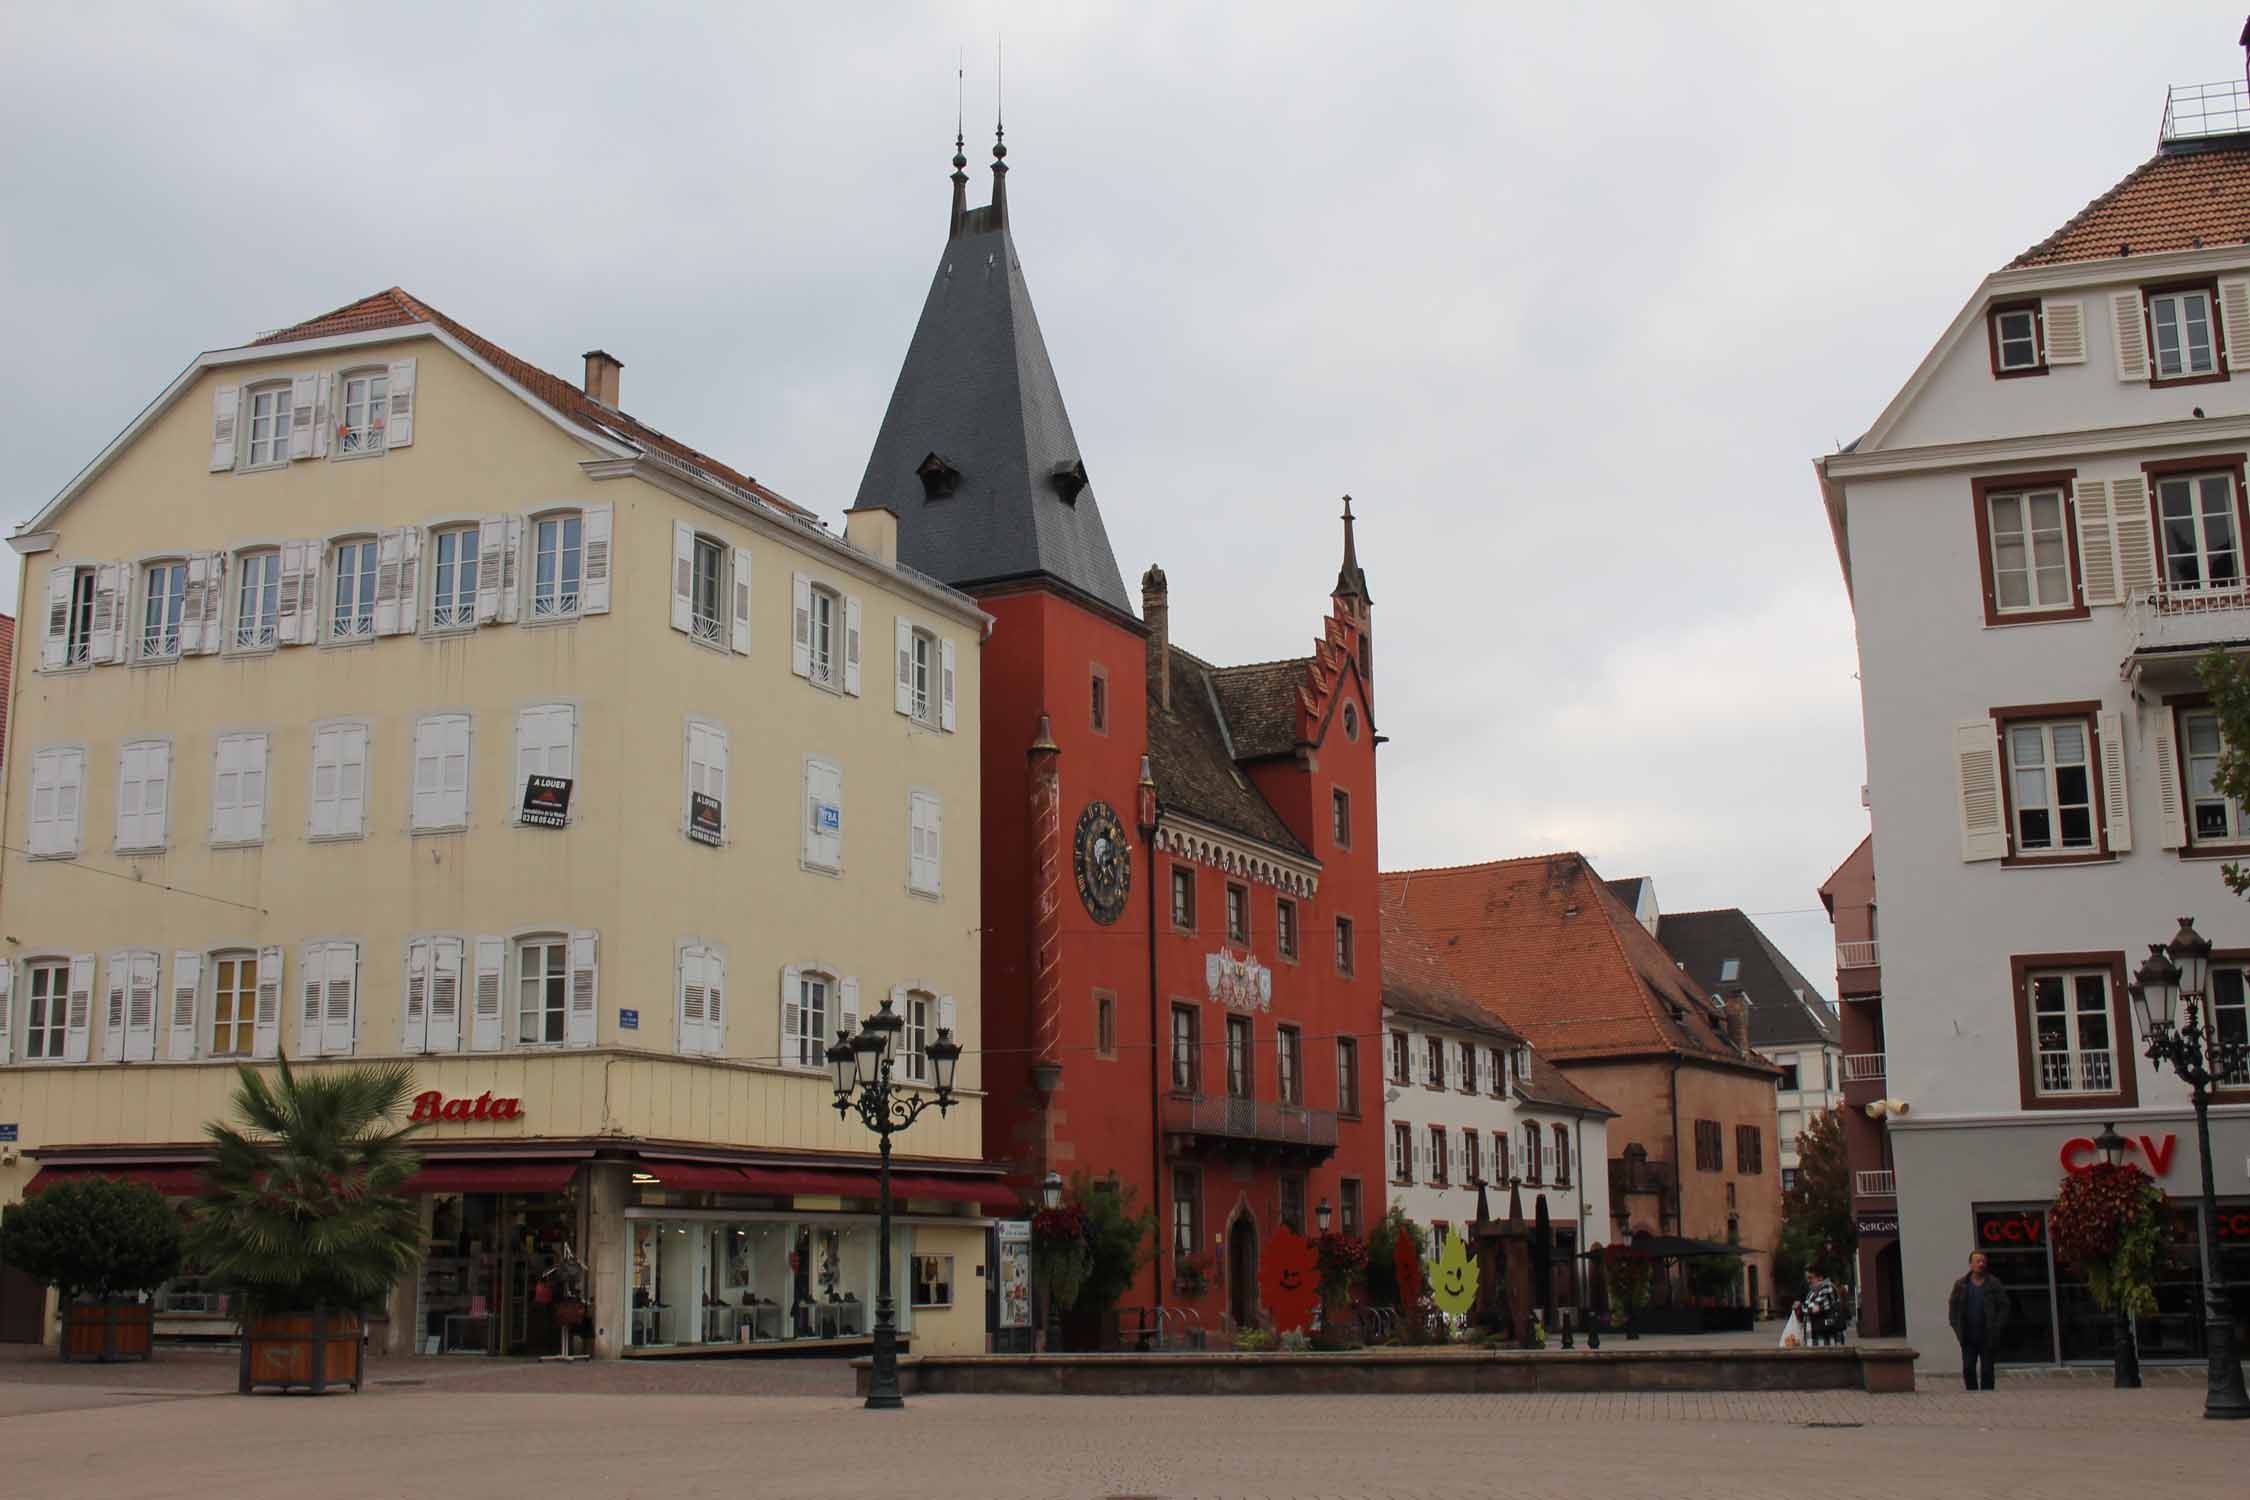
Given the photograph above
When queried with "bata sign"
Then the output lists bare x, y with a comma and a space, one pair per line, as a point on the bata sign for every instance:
2155, 1153
435, 1106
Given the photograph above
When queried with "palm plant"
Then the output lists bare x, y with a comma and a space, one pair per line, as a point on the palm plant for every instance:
303, 1209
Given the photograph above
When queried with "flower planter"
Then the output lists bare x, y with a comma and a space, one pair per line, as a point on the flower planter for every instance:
316, 1351
110, 1331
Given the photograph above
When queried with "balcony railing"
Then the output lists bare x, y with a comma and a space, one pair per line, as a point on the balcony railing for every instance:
2169, 618
1881, 1184
1863, 1067
1864, 955
1223, 1117
2198, 111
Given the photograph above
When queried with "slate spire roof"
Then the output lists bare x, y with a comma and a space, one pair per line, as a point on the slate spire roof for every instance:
976, 455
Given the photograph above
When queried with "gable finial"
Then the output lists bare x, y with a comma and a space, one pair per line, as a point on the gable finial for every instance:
960, 140
1351, 581
999, 139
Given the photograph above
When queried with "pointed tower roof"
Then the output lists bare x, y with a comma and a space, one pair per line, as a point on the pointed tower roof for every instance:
1351, 579
976, 453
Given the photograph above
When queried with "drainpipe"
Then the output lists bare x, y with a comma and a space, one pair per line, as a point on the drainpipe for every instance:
1159, 1189
1679, 1173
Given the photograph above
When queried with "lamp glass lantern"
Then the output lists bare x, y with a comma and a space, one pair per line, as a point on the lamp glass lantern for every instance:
1051, 1190
2111, 1145
945, 1056
840, 1060
2191, 951
1322, 1215
2156, 993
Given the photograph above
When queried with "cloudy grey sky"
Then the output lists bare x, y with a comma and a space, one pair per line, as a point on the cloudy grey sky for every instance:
1567, 301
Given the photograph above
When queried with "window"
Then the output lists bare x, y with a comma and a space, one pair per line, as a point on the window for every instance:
921, 679
1099, 691
1351, 722
826, 666
1285, 927
1238, 913
1344, 949
1788, 1179
1402, 1151
234, 1005
925, 844
2029, 552
1827, 1071
1710, 1147
1183, 898
58, 784
920, 1014
546, 745
1789, 1078
1503, 1164
2180, 325
1467, 1082
1347, 1075
238, 789
257, 599
542, 990
72, 616
1749, 1150
2012, 329
705, 817
339, 782
1292, 1205
1184, 1049
1472, 1161
1347, 1205
2230, 1015
163, 601
1499, 1063
47, 1011
558, 561
2213, 817
351, 590
807, 1000
328, 984
144, 779
1187, 1212
1340, 814
441, 772
1531, 1150
1400, 1071
824, 816
1433, 1062
933, 1281
1562, 1156
1438, 1153
1105, 1025
1239, 1079
2196, 516
2051, 786
707, 589
453, 579
1730, 970
360, 422
269, 426
1289, 1065
2073, 1038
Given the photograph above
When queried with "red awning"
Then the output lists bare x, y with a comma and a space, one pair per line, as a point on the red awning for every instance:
784, 1180
692, 1176
492, 1177
985, 1193
172, 1179
993, 1197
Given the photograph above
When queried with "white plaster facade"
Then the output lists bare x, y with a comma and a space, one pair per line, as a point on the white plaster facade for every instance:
1820, 1086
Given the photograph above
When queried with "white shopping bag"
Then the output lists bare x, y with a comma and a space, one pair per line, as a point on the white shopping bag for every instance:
1792, 1333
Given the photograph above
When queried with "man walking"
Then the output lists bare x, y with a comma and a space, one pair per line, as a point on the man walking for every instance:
1978, 1311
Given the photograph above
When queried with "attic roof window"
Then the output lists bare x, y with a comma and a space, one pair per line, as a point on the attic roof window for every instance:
1730, 969
1069, 478
939, 478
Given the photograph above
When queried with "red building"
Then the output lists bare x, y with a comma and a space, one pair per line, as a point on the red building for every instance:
1181, 949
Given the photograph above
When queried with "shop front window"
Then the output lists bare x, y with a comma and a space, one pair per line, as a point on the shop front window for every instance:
720, 1279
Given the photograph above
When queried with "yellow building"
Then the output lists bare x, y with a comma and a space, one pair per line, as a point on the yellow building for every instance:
383, 695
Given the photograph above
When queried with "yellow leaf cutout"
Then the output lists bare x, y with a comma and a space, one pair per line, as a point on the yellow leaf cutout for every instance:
1454, 1286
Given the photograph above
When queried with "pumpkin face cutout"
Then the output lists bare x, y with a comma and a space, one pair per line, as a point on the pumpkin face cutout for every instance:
1289, 1279
1454, 1287
1408, 1267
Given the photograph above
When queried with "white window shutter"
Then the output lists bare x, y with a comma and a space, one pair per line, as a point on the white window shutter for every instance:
441, 771
2097, 545
312, 974
108, 633
2132, 334
593, 577
792, 1021
2234, 319
324, 402
2063, 320
715, 1001
144, 774
1976, 756
340, 1019
492, 541
113, 1005
2117, 800
265, 1035
214, 601
291, 615
54, 649
824, 789
339, 782
585, 993
511, 568
2171, 815
58, 792
742, 601
304, 395
945, 674
492, 958
800, 637
902, 691
187, 983
945, 1018
545, 746
417, 1029
2134, 532
683, 577
226, 403
7, 1006
847, 1005
198, 587
390, 552
238, 789
78, 1021
692, 1006
143, 978
445, 994
851, 644
409, 581
399, 433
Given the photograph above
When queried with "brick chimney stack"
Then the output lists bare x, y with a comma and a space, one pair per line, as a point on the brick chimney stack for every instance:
602, 370
1156, 613
1738, 1020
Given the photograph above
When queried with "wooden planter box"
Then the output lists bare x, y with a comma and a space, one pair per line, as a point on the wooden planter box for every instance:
106, 1332
315, 1351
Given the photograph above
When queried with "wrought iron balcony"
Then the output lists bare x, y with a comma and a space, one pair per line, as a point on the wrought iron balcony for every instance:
1221, 1119
1861, 955
1878, 1184
2177, 619
1863, 1067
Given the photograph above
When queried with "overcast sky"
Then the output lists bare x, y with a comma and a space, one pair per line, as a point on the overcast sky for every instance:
1567, 302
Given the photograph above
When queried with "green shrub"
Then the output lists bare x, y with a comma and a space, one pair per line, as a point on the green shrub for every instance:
93, 1237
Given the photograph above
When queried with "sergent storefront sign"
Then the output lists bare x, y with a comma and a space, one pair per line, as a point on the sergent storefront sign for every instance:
435, 1106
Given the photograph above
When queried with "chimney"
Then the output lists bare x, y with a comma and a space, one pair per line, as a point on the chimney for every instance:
873, 529
1738, 1021
1156, 613
601, 376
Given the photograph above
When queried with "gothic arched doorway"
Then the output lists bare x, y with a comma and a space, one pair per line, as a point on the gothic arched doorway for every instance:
1242, 1271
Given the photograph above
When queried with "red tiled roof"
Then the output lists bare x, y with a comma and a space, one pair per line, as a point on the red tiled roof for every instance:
1416, 981
1545, 944
396, 308
2176, 200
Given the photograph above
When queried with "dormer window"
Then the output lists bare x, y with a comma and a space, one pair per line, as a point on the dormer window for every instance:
1069, 478
939, 478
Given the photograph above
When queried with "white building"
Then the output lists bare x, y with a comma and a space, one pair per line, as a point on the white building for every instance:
2041, 534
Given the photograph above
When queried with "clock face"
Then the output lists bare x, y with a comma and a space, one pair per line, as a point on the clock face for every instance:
1105, 864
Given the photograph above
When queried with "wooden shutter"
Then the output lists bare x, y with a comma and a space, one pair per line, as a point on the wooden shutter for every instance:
340, 1015
445, 994
7, 1005
78, 1020
792, 1019
192, 595
417, 1028
2234, 319
594, 571
945, 679
511, 568
824, 789
946, 1019
108, 629
409, 581
58, 789
925, 846
226, 402
800, 611
715, 1017
742, 601
142, 980
187, 984
683, 577
2117, 800
324, 402
851, 645
585, 994
2097, 546
339, 781
304, 396
2171, 814
902, 691
2063, 319
113, 1005
847, 1011
693, 1004
312, 972
390, 553
545, 737
214, 602
265, 1036
2135, 535
294, 614
492, 542
238, 789
144, 777
441, 771
400, 431
2132, 334
1976, 756
485, 1028
54, 650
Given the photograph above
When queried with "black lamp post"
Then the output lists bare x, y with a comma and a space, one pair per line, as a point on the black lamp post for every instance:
1050, 1196
863, 1083
2126, 1360
2170, 998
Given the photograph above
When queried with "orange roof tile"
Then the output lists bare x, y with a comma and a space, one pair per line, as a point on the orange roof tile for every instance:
2176, 200
396, 308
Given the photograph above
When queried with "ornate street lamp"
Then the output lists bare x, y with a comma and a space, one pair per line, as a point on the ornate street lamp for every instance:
2126, 1358
1050, 1196
2170, 1002
862, 1065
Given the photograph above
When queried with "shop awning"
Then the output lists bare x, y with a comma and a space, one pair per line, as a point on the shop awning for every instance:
172, 1179
492, 1177
983, 1192
692, 1176
789, 1180
993, 1197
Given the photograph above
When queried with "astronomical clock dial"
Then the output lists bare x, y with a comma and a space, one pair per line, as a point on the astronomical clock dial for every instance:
1105, 864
